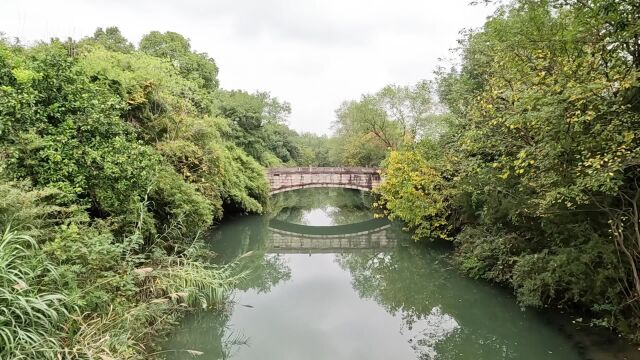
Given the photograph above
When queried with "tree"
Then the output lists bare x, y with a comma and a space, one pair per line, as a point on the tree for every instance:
198, 67
112, 40
393, 118
317, 150
367, 117
410, 107
274, 111
259, 126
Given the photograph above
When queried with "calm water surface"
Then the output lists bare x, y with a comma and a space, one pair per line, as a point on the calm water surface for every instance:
328, 282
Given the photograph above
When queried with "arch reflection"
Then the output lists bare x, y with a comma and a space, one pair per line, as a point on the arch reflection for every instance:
287, 237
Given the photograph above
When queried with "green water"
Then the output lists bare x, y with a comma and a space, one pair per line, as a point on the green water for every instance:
370, 293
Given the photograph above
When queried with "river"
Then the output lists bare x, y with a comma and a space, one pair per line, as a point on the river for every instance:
325, 280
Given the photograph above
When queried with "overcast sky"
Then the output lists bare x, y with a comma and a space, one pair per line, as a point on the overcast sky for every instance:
314, 54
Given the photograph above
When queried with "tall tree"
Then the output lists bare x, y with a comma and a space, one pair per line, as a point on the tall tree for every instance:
392, 118
410, 107
112, 40
197, 67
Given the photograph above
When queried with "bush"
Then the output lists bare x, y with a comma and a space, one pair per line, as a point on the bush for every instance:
416, 191
488, 254
175, 202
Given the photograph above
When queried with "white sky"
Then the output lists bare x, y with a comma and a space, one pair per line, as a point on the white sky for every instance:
314, 54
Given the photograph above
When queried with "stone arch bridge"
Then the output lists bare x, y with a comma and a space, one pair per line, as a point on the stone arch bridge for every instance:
286, 179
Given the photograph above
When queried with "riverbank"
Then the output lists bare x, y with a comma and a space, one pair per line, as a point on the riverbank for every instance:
77, 291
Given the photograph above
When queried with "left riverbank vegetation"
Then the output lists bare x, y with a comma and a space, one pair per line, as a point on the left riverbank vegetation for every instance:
529, 160
114, 158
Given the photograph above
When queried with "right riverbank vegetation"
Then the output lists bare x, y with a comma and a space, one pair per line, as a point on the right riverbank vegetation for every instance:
529, 162
114, 159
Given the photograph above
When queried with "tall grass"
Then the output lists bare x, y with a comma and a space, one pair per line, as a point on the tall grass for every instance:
166, 290
35, 323
29, 314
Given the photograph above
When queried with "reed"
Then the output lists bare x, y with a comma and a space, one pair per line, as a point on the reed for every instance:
30, 314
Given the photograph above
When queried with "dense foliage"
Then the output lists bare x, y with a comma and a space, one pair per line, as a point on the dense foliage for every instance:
537, 178
113, 159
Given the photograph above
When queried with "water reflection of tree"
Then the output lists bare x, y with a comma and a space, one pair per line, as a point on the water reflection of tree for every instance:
263, 272
243, 241
250, 235
414, 282
205, 332
404, 287
345, 206
418, 284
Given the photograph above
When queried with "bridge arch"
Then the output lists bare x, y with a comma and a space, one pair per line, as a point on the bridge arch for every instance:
287, 179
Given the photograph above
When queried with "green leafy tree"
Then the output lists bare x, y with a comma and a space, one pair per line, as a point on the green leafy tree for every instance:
197, 67
111, 39
394, 117
112, 162
316, 150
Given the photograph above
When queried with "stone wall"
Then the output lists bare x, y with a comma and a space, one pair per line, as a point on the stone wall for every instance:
284, 179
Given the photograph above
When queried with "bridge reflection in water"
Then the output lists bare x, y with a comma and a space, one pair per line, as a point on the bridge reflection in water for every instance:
295, 238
